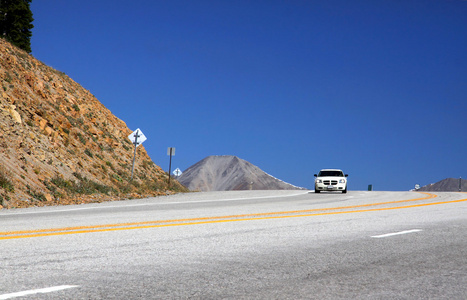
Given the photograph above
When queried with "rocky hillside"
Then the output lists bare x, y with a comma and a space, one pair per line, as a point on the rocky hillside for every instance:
228, 173
60, 145
446, 185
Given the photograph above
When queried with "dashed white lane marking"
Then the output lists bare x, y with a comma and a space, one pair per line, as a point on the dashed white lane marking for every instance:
396, 233
38, 291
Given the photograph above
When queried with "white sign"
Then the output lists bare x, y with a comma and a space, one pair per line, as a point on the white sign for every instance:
171, 151
137, 137
177, 172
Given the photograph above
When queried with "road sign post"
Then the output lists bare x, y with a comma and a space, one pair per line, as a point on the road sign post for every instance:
137, 138
170, 152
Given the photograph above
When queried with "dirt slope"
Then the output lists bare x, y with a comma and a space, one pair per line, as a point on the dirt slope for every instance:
60, 145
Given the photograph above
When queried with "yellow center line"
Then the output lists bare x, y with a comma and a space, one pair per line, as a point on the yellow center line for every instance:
218, 219
214, 217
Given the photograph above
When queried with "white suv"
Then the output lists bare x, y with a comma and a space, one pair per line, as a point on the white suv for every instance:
331, 180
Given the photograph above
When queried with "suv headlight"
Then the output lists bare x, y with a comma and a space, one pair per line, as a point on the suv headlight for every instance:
319, 181
341, 180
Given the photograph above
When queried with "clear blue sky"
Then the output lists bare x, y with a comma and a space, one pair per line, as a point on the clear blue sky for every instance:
376, 88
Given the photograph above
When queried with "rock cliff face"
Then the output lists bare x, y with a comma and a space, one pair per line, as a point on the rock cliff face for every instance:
60, 145
228, 173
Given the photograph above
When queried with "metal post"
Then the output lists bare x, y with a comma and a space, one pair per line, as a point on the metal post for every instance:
171, 151
134, 155
170, 164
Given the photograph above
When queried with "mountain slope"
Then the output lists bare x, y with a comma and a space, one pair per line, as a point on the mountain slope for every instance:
446, 185
226, 173
59, 144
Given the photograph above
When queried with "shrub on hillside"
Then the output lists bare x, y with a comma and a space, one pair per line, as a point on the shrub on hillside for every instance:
5, 182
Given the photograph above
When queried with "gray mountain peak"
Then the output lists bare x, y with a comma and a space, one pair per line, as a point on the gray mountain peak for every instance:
227, 173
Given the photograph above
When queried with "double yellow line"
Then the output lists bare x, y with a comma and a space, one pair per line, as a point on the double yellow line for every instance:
220, 219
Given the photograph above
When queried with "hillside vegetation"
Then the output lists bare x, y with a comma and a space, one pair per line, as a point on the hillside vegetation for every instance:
60, 145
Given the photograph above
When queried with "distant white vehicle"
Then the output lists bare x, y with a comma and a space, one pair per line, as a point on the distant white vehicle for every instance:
331, 180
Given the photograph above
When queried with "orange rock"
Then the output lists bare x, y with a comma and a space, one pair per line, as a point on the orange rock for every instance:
42, 124
48, 197
48, 131
14, 114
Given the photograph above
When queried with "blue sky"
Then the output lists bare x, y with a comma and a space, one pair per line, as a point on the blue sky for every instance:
376, 88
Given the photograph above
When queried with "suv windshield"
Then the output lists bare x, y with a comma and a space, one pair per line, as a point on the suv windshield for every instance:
330, 174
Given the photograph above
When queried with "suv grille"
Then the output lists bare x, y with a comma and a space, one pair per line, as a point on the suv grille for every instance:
330, 182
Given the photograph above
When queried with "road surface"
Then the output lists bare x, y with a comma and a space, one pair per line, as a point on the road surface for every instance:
240, 245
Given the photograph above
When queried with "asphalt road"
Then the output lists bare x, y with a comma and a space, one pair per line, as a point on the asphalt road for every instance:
240, 245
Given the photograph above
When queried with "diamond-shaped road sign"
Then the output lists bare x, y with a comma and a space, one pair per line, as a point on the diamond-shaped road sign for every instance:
137, 137
177, 172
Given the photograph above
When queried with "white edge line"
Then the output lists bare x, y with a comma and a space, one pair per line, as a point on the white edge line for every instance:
38, 291
153, 203
396, 233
